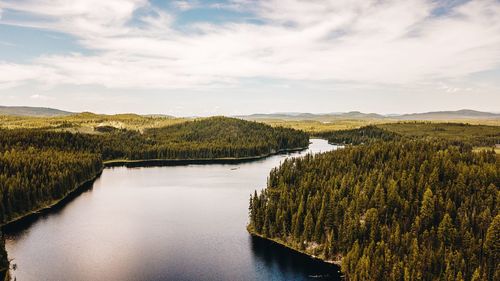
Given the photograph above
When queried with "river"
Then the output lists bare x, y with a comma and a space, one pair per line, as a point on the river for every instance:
160, 223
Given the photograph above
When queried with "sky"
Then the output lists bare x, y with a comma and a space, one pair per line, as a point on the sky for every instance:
237, 57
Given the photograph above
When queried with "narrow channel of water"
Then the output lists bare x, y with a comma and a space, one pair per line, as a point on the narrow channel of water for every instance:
161, 223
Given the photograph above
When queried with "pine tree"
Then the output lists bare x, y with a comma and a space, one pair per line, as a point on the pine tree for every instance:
427, 208
446, 231
492, 248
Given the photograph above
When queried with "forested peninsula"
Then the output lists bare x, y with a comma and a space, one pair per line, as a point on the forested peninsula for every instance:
396, 206
41, 166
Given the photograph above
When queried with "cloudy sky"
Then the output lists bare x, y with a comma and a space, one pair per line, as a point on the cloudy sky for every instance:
246, 56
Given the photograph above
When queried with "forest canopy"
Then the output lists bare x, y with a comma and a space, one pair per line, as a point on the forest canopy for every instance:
395, 208
475, 135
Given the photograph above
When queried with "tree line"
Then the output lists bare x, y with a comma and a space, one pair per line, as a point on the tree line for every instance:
454, 133
390, 210
366, 134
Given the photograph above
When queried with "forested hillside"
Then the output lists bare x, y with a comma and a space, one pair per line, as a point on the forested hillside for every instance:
395, 210
361, 135
216, 137
32, 178
475, 135
87, 122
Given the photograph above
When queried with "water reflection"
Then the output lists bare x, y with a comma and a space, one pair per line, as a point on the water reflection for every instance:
290, 263
20, 226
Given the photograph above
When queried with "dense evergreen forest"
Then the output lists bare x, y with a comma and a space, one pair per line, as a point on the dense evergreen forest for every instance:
475, 135
216, 137
361, 135
32, 178
390, 210
39, 167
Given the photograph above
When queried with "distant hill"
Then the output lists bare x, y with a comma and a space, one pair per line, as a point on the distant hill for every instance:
438, 115
159, 116
32, 111
360, 115
296, 116
447, 115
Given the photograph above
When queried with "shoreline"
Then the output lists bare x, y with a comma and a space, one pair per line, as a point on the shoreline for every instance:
283, 244
53, 203
141, 163
195, 161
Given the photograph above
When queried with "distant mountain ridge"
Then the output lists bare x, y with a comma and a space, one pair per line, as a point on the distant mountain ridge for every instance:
458, 114
311, 116
32, 111
291, 116
434, 115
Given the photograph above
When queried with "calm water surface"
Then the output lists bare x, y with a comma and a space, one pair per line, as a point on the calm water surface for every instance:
160, 223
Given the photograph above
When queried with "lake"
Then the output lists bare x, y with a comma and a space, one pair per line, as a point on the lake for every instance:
161, 223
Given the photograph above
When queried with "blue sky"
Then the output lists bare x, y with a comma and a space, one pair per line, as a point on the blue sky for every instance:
239, 56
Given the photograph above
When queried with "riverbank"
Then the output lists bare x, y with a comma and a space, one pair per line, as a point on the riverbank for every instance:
199, 161
53, 203
286, 245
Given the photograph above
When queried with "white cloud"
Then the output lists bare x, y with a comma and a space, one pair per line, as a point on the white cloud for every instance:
40, 97
235, 5
16, 74
78, 17
389, 42
186, 5
452, 88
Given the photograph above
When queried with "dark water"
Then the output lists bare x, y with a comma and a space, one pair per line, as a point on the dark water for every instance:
160, 223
